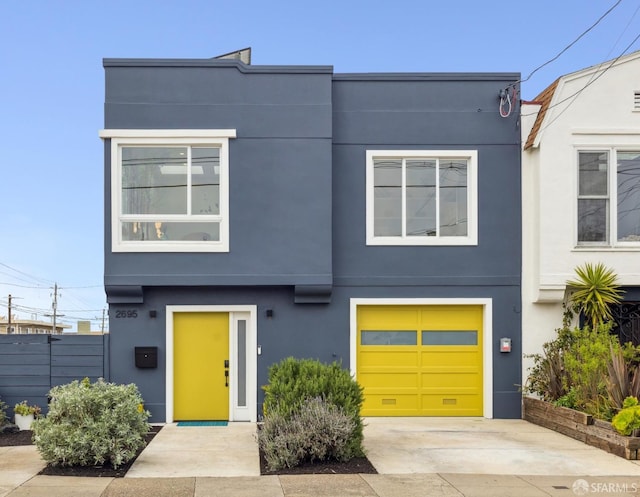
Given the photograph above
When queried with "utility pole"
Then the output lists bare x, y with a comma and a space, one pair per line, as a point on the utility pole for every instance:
104, 317
9, 319
54, 307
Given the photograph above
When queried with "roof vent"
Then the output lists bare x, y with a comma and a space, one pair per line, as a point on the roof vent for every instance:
243, 55
636, 100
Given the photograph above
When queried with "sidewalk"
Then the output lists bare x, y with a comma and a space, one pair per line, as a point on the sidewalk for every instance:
409, 485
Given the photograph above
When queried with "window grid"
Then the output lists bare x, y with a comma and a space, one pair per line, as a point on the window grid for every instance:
464, 212
622, 197
215, 235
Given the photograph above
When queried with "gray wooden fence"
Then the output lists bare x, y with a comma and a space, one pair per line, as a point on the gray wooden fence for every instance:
31, 364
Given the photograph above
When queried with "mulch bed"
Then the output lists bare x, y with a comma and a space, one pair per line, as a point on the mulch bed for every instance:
16, 438
356, 465
106, 470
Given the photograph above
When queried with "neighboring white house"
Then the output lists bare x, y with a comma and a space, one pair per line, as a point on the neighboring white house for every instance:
581, 191
29, 326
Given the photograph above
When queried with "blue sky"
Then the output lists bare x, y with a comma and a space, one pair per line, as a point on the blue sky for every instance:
52, 93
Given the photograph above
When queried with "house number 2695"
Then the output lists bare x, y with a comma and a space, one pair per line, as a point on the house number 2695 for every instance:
126, 314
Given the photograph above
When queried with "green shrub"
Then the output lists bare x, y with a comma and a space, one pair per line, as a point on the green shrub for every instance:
547, 377
91, 424
25, 409
568, 400
3, 413
318, 431
593, 290
586, 361
624, 375
293, 382
628, 419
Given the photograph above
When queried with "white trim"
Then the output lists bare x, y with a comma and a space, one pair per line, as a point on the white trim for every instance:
487, 335
472, 198
167, 133
211, 137
250, 412
612, 243
606, 131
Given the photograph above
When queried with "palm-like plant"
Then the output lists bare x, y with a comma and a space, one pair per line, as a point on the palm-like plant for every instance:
594, 290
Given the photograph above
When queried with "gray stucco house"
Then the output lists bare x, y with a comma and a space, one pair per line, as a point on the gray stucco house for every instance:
258, 212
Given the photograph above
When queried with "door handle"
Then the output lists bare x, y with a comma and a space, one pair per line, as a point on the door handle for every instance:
226, 377
226, 363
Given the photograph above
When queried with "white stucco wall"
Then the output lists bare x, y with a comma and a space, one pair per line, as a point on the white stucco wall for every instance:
602, 116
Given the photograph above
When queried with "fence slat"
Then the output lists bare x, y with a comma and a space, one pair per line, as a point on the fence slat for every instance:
30, 365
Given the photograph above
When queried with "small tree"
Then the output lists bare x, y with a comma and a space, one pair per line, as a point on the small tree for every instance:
593, 291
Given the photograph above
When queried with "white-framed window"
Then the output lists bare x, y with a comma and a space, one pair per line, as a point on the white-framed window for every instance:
608, 211
170, 190
422, 197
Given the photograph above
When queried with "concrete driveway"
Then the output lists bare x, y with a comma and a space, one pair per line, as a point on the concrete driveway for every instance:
483, 446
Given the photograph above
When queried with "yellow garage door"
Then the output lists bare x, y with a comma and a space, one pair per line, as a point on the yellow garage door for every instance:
420, 360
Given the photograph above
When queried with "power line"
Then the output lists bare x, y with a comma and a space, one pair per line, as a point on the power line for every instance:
24, 286
48, 282
624, 30
570, 44
592, 80
80, 287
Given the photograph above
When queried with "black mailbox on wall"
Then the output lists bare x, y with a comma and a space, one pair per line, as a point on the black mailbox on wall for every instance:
146, 357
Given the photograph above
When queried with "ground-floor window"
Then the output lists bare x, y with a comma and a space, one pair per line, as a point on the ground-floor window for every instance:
626, 317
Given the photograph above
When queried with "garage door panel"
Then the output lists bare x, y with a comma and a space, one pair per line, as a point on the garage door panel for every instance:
396, 404
390, 317
448, 358
384, 379
449, 405
450, 379
439, 374
391, 358
452, 368
450, 316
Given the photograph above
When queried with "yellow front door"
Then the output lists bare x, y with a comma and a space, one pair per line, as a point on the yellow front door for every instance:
200, 365
420, 360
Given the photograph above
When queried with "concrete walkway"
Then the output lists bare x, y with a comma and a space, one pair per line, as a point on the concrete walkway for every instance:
413, 456
188, 451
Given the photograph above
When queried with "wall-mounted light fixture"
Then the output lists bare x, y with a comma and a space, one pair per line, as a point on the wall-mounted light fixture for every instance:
153, 313
269, 313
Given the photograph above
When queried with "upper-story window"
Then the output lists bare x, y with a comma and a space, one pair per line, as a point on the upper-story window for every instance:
169, 190
422, 197
609, 197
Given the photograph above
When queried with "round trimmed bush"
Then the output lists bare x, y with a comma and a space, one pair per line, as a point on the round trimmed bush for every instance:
294, 382
92, 424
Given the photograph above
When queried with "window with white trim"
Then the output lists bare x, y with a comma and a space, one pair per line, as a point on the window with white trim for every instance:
169, 190
422, 197
608, 197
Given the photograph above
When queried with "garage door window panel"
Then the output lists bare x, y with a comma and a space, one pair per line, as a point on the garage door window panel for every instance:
449, 337
404, 337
